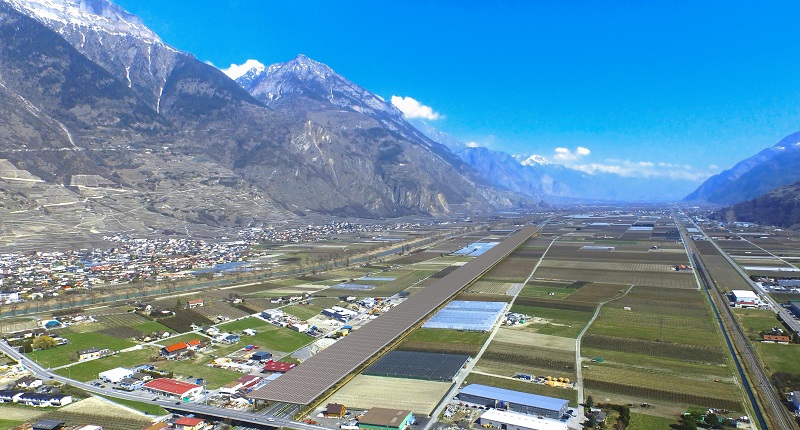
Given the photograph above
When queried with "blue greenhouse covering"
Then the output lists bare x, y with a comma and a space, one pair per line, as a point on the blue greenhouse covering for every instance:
466, 315
476, 249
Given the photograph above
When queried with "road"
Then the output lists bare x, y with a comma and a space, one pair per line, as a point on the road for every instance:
734, 335
260, 419
578, 363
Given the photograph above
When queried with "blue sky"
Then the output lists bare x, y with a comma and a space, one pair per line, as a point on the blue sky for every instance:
678, 89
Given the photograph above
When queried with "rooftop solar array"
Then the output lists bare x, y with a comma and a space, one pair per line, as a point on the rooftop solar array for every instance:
467, 316
319, 373
430, 366
476, 249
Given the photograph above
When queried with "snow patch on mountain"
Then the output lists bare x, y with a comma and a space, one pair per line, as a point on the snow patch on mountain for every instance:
532, 160
94, 14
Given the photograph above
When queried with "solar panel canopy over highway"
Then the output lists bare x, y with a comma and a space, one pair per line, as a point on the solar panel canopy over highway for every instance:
319, 373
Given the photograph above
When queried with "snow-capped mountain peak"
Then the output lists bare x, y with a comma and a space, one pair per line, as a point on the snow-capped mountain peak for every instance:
532, 160
302, 75
98, 14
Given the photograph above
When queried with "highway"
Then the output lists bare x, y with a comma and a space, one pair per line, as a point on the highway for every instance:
259, 420
735, 335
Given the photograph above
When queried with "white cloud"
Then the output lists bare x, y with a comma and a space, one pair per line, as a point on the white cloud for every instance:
473, 144
643, 169
414, 109
237, 70
566, 155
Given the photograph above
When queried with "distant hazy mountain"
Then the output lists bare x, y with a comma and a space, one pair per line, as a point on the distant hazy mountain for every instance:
771, 168
779, 207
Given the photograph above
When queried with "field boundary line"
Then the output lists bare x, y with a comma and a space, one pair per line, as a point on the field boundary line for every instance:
578, 368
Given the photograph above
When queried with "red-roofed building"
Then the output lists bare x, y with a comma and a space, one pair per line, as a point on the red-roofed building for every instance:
187, 423
193, 303
172, 388
176, 349
278, 366
776, 338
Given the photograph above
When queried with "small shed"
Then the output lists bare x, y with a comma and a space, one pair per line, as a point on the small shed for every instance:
335, 410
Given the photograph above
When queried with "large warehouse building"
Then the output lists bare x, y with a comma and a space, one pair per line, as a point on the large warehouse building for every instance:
513, 421
514, 401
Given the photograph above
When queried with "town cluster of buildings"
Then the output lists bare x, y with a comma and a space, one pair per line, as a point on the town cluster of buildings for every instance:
312, 233
40, 275
31, 391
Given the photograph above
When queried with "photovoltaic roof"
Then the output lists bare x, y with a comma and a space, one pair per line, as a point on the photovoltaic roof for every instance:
517, 397
319, 373
430, 366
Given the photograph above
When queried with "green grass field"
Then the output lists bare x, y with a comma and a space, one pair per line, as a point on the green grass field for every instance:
9, 424
88, 370
780, 358
267, 336
151, 326
214, 377
649, 422
60, 355
754, 321
693, 330
303, 312
443, 340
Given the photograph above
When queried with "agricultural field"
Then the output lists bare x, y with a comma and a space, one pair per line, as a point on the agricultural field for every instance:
183, 320
655, 387
661, 278
508, 359
443, 340
650, 422
213, 376
215, 308
366, 391
553, 321
724, 275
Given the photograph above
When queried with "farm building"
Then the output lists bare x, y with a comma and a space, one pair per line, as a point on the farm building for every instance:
261, 356
430, 366
115, 375
48, 425
385, 419
515, 421
335, 410
745, 299
514, 401
794, 306
194, 303
272, 314
278, 366
172, 388
91, 353
300, 327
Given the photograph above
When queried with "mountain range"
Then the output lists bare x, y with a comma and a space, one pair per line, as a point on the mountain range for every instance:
107, 128
101, 116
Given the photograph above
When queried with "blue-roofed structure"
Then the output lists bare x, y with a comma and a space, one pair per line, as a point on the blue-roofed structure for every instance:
524, 403
476, 249
467, 316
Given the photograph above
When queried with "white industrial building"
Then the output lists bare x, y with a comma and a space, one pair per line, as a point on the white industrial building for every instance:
515, 421
115, 375
272, 314
744, 299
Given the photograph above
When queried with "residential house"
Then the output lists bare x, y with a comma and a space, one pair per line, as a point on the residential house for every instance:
44, 400
194, 303
28, 382
187, 423
48, 425
92, 353
10, 396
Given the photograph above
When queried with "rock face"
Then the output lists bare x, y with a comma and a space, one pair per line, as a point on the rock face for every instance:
771, 168
305, 141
